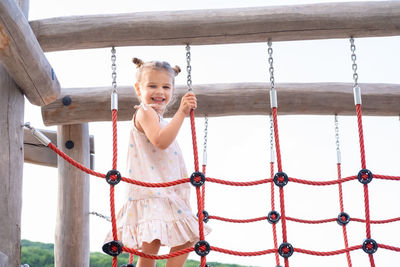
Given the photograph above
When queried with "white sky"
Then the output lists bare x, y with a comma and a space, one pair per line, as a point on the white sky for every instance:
238, 147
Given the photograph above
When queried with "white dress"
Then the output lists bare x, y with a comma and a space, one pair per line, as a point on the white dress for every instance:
162, 213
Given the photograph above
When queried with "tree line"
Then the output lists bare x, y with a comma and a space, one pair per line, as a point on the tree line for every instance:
38, 254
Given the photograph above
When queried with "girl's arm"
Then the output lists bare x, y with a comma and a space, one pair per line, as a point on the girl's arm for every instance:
163, 137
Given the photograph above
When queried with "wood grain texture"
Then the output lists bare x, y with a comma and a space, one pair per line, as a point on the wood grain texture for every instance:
36, 153
220, 26
12, 105
93, 104
71, 246
23, 58
11, 166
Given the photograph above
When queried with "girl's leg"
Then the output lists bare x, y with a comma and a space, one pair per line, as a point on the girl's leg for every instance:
180, 260
149, 248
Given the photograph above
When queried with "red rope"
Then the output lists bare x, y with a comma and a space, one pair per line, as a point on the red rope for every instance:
237, 220
281, 192
115, 262
203, 188
364, 166
275, 238
327, 253
361, 135
114, 166
158, 257
200, 201
73, 162
237, 253
130, 258
346, 242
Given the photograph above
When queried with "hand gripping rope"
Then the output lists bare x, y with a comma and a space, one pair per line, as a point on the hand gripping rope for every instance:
280, 179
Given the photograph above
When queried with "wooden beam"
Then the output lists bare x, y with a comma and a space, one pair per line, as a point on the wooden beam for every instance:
36, 153
221, 26
23, 58
71, 246
93, 104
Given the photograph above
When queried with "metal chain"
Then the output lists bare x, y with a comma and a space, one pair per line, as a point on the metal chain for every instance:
205, 133
271, 137
271, 66
100, 215
114, 69
188, 68
337, 139
354, 65
205, 139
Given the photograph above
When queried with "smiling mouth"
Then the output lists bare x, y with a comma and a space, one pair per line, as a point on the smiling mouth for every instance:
159, 100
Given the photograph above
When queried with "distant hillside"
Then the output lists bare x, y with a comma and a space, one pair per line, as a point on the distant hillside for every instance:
38, 254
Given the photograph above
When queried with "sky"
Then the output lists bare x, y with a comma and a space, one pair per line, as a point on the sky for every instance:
238, 147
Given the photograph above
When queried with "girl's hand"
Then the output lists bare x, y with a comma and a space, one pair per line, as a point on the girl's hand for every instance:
188, 102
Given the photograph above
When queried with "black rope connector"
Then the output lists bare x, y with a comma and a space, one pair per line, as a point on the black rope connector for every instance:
202, 248
286, 250
343, 218
197, 179
66, 100
113, 248
113, 177
207, 265
69, 144
128, 265
364, 176
281, 179
206, 216
370, 246
273, 217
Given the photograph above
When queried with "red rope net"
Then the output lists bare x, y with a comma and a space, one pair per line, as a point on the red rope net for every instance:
275, 250
285, 249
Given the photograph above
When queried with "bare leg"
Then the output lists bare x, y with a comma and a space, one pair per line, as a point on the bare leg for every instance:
149, 248
180, 260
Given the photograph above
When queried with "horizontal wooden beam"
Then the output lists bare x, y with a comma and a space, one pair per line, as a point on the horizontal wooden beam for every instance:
220, 26
36, 153
23, 58
93, 104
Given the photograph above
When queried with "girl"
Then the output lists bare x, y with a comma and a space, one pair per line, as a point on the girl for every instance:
153, 217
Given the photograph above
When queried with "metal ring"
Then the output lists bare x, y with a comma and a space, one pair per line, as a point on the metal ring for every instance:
286, 250
365, 176
199, 182
113, 181
202, 248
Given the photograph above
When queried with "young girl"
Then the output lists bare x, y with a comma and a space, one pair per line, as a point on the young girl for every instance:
154, 217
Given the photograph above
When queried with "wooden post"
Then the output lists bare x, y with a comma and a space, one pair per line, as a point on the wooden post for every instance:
11, 165
72, 222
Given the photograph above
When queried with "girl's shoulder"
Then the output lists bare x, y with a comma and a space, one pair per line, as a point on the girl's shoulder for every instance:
135, 125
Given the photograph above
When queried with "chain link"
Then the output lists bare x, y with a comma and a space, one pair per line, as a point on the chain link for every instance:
354, 65
188, 68
271, 66
114, 69
337, 139
205, 133
100, 215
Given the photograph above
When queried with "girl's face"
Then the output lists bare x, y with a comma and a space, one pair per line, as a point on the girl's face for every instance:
156, 88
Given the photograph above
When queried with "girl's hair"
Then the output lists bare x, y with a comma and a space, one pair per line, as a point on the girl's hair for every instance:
157, 65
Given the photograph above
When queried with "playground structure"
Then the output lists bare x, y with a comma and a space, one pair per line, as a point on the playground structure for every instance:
23, 59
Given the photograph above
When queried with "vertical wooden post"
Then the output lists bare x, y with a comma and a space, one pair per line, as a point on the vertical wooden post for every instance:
11, 165
72, 222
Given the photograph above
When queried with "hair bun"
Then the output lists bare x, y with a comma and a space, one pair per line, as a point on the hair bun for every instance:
177, 70
137, 62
